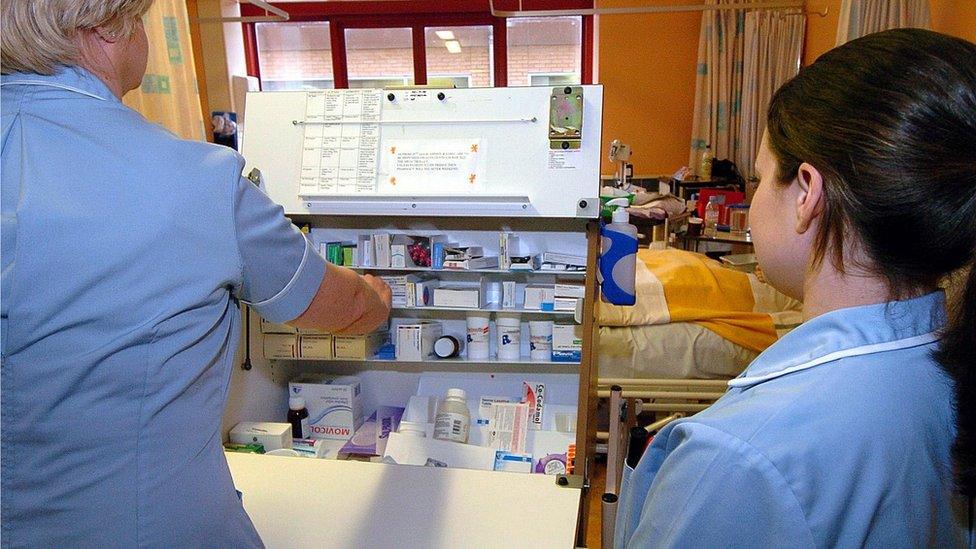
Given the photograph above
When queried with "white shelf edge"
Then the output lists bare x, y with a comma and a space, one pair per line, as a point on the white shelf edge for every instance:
488, 271
439, 361
487, 310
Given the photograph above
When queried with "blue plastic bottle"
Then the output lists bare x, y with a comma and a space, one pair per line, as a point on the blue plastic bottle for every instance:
618, 257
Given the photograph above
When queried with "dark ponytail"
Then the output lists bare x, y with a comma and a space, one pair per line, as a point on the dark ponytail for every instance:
889, 120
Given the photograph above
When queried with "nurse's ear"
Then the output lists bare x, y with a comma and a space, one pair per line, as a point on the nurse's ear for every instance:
810, 200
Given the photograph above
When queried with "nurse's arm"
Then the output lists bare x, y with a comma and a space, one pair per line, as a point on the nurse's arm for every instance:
346, 303
715, 490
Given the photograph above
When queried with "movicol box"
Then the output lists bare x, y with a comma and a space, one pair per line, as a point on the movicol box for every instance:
567, 343
335, 404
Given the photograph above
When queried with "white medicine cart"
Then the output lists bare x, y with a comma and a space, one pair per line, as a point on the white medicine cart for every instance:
467, 164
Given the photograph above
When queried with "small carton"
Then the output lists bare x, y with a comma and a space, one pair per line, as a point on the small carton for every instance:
456, 295
539, 297
280, 345
273, 436
358, 347
335, 404
416, 341
370, 439
275, 328
567, 343
569, 289
318, 346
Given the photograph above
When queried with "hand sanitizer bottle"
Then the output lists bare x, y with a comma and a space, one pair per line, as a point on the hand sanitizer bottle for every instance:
618, 257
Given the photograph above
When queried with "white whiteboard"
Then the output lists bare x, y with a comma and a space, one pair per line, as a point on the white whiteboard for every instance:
521, 175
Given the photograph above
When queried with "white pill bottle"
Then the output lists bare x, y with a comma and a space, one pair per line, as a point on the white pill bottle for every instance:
453, 419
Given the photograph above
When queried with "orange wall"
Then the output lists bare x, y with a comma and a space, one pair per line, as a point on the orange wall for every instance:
647, 65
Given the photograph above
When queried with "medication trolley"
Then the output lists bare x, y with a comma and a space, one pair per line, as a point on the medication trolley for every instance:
467, 168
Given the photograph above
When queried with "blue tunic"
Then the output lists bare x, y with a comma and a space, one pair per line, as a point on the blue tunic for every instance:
125, 251
838, 435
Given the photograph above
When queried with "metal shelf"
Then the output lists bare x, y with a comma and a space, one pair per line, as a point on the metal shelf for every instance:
494, 308
492, 360
580, 274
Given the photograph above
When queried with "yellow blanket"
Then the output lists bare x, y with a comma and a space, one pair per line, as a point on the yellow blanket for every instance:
681, 286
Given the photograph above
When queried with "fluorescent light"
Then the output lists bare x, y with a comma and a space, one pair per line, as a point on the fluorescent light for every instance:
453, 46
445, 35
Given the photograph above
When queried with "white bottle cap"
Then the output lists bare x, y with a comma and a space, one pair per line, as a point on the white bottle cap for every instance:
457, 393
446, 346
296, 403
620, 215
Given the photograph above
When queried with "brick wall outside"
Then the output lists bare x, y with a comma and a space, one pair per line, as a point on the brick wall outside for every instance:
473, 62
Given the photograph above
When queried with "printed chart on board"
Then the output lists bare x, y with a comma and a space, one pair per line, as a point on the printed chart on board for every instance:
341, 142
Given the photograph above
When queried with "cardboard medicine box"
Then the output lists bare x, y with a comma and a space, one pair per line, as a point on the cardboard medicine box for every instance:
318, 346
358, 347
280, 345
567, 343
335, 404
275, 328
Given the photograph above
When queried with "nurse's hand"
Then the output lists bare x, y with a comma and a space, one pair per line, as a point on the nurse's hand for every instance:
347, 303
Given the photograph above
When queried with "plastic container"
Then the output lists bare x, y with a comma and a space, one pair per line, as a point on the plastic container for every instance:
453, 419
447, 347
509, 330
712, 211
477, 336
705, 168
298, 417
540, 339
618, 258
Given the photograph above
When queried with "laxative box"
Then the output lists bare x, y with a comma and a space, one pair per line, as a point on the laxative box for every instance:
335, 404
280, 345
567, 343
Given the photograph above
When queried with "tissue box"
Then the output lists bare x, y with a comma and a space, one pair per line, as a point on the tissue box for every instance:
280, 345
359, 347
539, 297
273, 436
567, 343
416, 341
315, 346
335, 405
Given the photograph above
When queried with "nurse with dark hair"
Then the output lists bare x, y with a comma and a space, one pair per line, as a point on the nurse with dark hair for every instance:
858, 428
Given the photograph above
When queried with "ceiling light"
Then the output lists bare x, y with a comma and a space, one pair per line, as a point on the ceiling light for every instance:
453, 46
445, 35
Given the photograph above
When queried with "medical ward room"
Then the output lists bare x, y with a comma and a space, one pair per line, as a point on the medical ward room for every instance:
488, 273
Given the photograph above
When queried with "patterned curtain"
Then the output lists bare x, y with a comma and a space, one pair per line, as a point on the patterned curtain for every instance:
168, 95
718, 85
774, 40
742, 58
860, 17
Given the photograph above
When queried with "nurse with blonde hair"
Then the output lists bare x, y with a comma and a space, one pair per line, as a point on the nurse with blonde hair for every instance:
858, 428
125, 252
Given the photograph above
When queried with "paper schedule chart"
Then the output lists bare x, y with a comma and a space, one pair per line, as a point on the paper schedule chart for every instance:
341, 142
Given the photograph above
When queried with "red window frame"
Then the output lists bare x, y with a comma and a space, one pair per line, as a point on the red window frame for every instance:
416, 15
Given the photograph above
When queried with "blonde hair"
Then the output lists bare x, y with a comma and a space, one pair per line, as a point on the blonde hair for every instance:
38, 36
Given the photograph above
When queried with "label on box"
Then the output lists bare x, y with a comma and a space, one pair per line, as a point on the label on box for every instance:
334, 405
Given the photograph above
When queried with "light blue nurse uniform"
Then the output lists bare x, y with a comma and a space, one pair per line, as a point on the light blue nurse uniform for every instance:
125, 251
838, 435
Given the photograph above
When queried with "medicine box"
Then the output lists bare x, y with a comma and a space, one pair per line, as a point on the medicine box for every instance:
567, 343
317, 346
273, 436
280, 345
359, 347
569, 289
539, 297
416, 341
275, 328
458, 296
335, 404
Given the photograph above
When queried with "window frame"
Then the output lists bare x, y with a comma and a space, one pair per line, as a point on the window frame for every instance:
416, 15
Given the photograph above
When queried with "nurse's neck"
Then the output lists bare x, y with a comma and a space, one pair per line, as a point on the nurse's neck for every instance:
110, 62
827, 289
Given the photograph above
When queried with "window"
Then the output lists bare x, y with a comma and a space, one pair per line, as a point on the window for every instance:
387, 43
294, 56
379, 58
545, 51
459, 57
